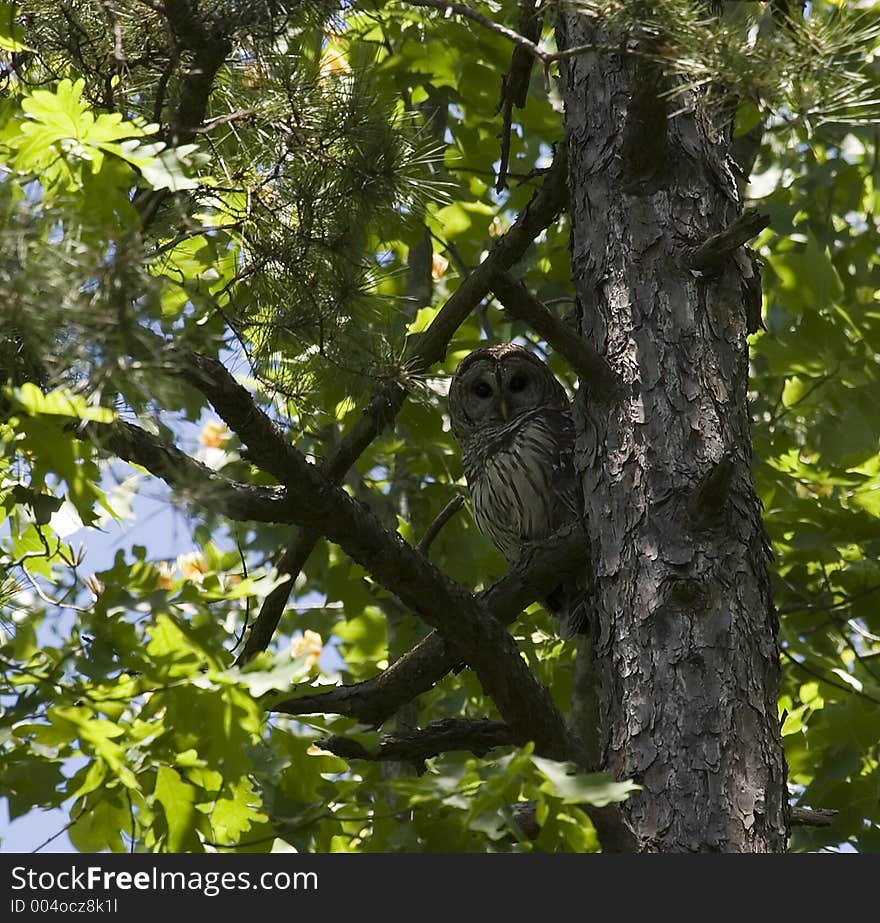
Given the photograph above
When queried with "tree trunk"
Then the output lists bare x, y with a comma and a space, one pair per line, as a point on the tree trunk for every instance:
685, 626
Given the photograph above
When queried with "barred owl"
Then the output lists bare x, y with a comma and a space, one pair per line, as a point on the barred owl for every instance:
511, 418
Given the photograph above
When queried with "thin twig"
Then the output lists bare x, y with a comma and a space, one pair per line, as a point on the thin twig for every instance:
63, 830
817, 674
433, 530
211, 124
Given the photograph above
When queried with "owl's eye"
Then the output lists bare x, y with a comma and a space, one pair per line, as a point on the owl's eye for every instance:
518, 383
482, 389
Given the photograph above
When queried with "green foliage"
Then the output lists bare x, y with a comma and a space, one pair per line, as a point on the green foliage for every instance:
811, 70
816, 445
285, 233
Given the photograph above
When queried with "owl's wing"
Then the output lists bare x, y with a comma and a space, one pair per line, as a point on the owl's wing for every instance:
563, 477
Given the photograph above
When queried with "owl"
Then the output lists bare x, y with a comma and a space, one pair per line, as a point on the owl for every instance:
512, 420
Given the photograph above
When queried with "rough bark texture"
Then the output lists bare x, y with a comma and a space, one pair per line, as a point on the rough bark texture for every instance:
685, 626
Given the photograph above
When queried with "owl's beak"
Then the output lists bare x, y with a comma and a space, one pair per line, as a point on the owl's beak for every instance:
505, 410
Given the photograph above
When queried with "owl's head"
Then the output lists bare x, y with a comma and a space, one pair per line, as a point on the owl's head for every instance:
495, 385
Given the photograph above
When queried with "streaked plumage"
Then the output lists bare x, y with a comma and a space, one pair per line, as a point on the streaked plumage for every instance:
511, 418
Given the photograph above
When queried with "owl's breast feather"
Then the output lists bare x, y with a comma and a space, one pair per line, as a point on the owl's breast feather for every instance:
513, 473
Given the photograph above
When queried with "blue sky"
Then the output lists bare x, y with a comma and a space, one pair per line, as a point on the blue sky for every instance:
163, 530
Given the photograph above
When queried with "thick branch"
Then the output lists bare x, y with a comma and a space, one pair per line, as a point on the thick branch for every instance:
190, 479
266, 444
478, 736
208, 39
375, 700
524, 704
710, 255
812, 817
429, 347
593, 369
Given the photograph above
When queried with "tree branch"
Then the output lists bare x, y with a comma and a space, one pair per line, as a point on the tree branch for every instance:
593, 369
375, 700
190, 479
425, 349
433, 530
478, 736
710, 255
525, 705
207, 39
812, 817
515, 83
266, 444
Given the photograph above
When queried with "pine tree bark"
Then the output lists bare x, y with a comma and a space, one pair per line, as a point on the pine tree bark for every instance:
685, 630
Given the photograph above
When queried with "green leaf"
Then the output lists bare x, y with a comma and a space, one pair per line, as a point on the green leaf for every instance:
177, 800
807, 276
748, 115
98, 826
60, 402
11, 33
597, 789
282, 677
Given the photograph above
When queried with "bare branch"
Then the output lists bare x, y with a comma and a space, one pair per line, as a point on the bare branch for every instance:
710, 255
192, 480
375, 700
515, 83
429, 347
476, 735
590, 365
208, 38
291, 563
433, 530
210, 124
206, 42
812, 817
